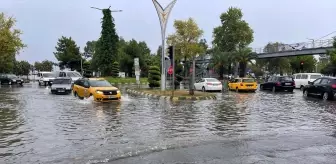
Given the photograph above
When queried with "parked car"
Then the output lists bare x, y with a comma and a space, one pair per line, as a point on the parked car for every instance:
243, 84
100, 89
278, 83
61, 85
10, 79
208, 84
45, 78
302, 79
324, 88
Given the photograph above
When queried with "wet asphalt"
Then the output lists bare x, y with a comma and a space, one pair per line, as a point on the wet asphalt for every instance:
261, 127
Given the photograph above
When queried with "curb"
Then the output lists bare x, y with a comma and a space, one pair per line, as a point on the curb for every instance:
128, 83
173, 98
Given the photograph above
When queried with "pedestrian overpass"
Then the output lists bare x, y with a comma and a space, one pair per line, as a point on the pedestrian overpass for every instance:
297, 49
287, 50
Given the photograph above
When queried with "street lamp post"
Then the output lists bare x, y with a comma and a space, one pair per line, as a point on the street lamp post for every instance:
163, 14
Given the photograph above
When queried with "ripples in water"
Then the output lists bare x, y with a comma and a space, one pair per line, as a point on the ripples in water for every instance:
45, 128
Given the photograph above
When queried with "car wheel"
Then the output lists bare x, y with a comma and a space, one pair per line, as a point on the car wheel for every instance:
301, 88
203, 89
305, 93
273, 89
261, 87
325, 96
75, 93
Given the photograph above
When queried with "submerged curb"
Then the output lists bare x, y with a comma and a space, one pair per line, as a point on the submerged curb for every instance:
173, 98
128, 83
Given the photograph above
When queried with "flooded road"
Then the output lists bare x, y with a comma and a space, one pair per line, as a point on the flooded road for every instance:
262, 127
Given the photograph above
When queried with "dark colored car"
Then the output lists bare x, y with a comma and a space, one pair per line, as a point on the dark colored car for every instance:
279, 83
324, 88
10, 79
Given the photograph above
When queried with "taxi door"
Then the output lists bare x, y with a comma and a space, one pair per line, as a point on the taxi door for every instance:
78, 88
86, 86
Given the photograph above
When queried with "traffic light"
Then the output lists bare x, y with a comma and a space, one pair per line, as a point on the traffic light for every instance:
171, 53
301, 65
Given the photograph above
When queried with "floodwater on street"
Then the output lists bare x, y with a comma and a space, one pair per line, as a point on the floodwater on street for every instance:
261, 127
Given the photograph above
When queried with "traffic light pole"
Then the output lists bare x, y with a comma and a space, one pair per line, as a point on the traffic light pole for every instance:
173, 64
163, 14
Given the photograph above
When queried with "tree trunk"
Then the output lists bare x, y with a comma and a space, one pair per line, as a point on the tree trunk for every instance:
221, 72
236, 69
242, 66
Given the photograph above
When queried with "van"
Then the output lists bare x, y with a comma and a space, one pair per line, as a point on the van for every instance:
302, 79
45, 78
74, 75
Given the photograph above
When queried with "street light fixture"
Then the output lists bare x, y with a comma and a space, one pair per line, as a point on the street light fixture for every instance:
108, 8
163, 14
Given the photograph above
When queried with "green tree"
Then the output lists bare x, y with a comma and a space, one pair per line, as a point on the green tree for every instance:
90, 48
22, 68
115, 69
45, 65
107, 45
308, 66
186, 39
10, 43
233, 34
276, 65
219, 61
67, 53
154, 76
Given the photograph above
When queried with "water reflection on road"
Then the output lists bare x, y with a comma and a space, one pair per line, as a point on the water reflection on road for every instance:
37, 127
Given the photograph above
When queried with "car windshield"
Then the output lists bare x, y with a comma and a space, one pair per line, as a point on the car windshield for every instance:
99, 83
315, 76
212, 80
47, 74
11, 76
286, 78
62, 81
74, 74
248, 80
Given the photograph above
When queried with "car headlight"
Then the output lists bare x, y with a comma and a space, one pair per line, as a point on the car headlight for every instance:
99, 92
118, 91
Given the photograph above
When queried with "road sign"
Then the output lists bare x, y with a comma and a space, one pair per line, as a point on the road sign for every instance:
170, 70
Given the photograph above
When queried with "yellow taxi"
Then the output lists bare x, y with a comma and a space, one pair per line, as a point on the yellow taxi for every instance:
99, 88
243, 84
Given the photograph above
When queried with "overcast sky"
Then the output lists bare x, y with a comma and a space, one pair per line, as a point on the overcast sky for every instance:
44, 21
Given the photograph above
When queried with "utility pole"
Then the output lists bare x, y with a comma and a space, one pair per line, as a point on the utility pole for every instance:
163, 14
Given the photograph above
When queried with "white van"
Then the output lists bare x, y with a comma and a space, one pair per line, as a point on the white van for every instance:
45, 78
74, 75
302, 79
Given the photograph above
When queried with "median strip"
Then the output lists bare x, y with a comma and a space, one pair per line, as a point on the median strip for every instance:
179, 95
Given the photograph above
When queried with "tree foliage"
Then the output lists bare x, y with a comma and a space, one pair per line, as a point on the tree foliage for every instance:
233, 35
186, 39
10, 43
134, 49
107, 46
67, 53
115, 69
21, 68
90, 49
45, 65
154, 76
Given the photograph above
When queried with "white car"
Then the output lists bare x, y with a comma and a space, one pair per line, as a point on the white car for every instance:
61, 85
208, 84
45, 78
302, 79
74, 75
